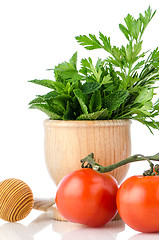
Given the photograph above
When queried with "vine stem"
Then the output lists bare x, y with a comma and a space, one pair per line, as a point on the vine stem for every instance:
135, 158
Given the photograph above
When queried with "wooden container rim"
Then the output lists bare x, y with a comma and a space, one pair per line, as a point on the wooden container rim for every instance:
86, 123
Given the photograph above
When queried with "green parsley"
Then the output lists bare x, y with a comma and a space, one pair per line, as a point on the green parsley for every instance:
121, 86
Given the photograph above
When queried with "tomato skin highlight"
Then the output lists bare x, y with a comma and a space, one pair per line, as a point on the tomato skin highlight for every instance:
138, 203
87, 197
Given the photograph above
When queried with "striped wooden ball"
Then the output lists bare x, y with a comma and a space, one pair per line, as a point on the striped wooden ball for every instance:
16, 200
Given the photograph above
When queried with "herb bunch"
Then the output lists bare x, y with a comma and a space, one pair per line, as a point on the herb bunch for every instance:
121, 86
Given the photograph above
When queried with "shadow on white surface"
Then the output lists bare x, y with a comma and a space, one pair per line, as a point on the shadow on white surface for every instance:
68, 231
145, 236
17, 231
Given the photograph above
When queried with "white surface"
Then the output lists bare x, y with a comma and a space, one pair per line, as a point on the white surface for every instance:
44, 227
35, 36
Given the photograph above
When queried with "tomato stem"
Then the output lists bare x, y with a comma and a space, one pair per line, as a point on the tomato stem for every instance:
91, 163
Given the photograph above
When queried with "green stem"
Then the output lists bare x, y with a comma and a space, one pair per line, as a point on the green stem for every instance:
135, 158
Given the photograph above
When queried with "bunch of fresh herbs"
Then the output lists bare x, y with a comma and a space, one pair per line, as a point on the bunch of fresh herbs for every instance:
121, 86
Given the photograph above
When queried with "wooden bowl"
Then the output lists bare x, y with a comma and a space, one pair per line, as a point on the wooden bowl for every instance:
67, 142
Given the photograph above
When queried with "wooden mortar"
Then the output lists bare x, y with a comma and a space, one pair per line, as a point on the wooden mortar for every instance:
67, 142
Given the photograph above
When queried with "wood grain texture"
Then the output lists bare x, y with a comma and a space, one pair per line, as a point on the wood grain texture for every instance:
66, 142
16, 200
43, 204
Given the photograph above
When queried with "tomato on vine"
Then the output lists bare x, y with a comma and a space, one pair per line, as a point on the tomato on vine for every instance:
87, 197
138, 196
138, 203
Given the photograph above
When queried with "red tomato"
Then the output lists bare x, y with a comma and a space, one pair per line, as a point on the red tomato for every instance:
87, 197
138, 203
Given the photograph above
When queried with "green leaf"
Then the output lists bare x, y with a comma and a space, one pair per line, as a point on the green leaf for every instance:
114, 100
154, 56
81, 98
152, 124
71, 76
76, 106
129, 52
71, 86
145, 110
99, 64
156, 105
106, 42
58, 86
147, 18
44, 83
146, 123
90, 42
89, 87
44, 108
134, 26
73, 60
106, 79
121, 74
137, 49
129, 20
52, 98
67, 70
64, 66
69, 114
138, 25
63, 97
60, 103
103, 114
58, 108
144, 96
117, 54
100, 115
133, 84
113, 62
52, 94
44, 98
37, 100
93, 69
87, 67
124, 31
138, 65
95, 101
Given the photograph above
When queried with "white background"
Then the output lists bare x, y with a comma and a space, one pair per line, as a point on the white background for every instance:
36, 35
